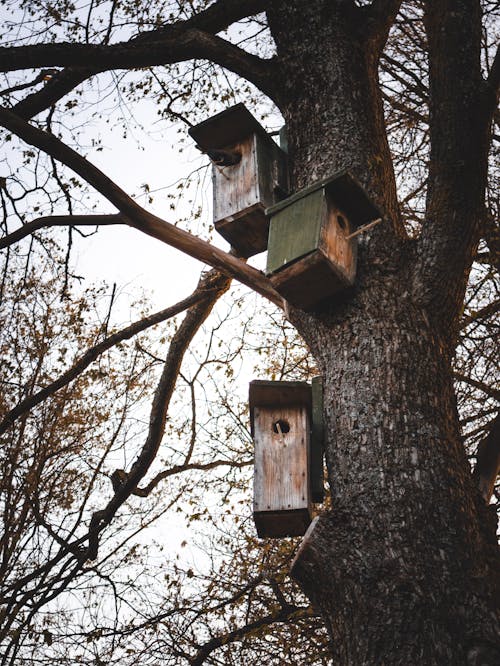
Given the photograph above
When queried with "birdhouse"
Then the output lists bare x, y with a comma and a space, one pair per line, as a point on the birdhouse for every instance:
311, 251
249, 174
281, 421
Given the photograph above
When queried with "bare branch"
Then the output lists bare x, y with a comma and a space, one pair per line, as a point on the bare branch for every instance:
489, 390
196, 315
176, 46
178, 469
284, 615
60, 221
215, 18
94, 352
136, 215
488, 310
45, 74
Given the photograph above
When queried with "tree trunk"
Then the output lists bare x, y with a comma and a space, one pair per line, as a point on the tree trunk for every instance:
400, 566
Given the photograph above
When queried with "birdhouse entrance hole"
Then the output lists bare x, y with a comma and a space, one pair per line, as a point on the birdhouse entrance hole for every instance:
342, 222
281, 427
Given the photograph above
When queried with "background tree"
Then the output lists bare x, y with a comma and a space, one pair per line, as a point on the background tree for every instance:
404, 568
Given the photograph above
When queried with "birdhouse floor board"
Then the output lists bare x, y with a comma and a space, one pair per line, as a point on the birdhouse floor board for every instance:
282, 523
308, 281
247, 231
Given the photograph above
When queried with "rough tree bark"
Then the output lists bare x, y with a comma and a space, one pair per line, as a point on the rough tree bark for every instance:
401, 568
404, 568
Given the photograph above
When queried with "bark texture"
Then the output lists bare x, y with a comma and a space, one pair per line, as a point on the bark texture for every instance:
405, 567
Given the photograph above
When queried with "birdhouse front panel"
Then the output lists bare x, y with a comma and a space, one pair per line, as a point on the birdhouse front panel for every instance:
243, 191
281, 483
281, 428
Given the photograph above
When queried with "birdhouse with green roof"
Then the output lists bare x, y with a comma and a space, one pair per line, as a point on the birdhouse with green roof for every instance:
249, 174
312, 247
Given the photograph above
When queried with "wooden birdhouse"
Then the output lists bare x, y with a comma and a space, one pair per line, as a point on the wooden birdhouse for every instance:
281, 421
249, 175
311, 253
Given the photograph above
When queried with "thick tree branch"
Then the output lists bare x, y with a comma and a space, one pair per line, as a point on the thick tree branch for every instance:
493, 81
94, 352
214, 19
486, 312
379, 17
59, 85
60, 221
196, 315
488, 461
459, 133
219, 16
176, 46
136, 215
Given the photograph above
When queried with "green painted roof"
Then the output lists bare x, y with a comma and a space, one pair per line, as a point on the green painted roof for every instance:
346, 192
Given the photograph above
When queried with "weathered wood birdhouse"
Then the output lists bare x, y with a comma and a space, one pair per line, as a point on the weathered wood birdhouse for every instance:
281, 421
249, 175
311, 251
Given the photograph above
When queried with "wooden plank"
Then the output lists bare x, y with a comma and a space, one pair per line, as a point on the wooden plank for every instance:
281, 463
235, 188
341, 251
226, 128
304, 546
317, 441
247, 232
307, 282
281, 459
282, 523
264, 393
295, 231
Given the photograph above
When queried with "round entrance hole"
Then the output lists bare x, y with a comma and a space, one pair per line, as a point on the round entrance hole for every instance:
342, 222
281, 427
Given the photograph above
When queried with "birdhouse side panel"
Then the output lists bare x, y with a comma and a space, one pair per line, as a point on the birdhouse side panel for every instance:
281, 480
272, 171
295, 231
235, 187
335, 244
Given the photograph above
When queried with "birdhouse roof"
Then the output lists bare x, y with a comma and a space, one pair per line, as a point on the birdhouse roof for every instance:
279, 394
226, 128
345, 191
